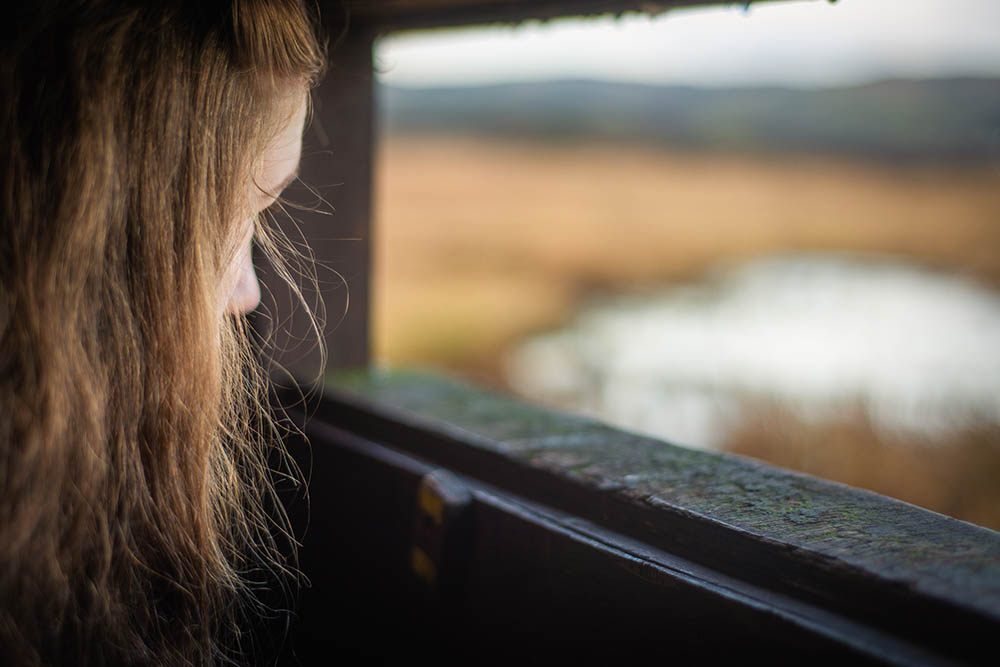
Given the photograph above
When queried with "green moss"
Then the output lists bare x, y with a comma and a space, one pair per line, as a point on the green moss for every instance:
860, 528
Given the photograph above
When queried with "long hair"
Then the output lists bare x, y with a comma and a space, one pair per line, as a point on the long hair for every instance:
133, 477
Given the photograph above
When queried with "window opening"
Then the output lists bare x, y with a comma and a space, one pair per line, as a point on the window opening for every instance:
767, 231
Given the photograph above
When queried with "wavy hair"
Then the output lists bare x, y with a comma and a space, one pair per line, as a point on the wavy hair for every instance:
133, 435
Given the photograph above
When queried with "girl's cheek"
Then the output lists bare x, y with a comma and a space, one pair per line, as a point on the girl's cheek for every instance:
245, 294
240, 291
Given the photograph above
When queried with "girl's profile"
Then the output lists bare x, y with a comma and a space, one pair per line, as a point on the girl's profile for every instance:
142, 141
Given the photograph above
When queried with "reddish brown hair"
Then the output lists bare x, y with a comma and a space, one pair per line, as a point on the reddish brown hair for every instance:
132, 460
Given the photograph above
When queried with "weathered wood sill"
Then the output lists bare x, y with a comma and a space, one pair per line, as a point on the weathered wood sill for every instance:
590, 532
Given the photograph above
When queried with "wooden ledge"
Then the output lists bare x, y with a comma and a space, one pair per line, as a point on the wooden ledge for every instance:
387, 15
907, 574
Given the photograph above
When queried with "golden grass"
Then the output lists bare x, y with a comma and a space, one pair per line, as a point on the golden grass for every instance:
479, 243
502, 238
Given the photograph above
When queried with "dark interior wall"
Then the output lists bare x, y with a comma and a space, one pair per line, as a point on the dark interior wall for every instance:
331, 211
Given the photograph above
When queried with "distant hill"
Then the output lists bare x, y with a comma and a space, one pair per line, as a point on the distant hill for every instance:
941, 119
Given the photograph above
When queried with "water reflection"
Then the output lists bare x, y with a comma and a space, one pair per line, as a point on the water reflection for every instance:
916, 350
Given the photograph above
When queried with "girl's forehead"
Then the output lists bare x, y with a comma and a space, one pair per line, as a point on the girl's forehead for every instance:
280, 159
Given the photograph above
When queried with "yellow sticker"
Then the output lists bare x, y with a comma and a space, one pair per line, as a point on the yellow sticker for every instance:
423, 565
431, 503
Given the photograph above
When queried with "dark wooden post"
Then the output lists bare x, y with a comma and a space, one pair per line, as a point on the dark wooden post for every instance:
335, 221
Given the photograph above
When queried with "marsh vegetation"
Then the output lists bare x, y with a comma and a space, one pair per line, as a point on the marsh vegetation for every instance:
485, 241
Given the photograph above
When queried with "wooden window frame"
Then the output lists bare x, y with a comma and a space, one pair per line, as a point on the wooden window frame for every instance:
557, 527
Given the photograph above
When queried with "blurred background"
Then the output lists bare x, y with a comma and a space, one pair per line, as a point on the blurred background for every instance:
770, 230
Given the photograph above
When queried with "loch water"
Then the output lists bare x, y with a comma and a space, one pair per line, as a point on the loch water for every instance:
916, 349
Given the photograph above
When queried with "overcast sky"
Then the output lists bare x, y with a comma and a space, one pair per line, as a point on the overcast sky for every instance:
796, 43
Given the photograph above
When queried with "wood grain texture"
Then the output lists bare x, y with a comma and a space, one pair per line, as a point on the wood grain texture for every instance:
878, 562
408, 14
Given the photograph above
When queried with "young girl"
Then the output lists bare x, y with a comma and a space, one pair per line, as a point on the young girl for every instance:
140, 141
